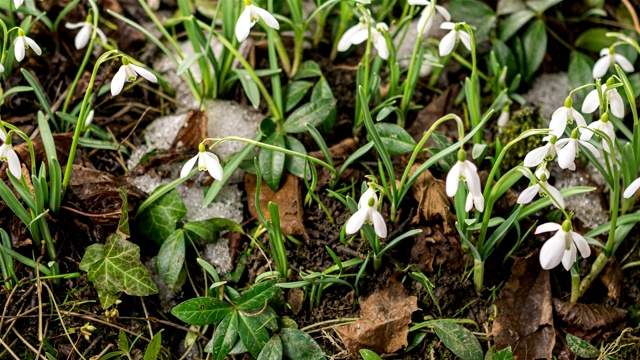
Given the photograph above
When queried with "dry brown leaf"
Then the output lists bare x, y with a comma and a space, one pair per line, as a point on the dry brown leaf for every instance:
432, 250
437, 108
587, 316
288, 198
524, 318
339, 152
612, 277
433, 202
192, 131
384, 321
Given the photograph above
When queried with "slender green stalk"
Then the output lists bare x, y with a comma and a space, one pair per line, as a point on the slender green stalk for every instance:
575, 285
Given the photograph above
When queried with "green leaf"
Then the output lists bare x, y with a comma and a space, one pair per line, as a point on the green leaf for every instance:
115, 267
153, 349
504, 354
257, 295
293, 92
209, 230
514, 22
123, 223
476, 13
298, 344
249, 86
594, 40
202, 310
369, 355
273, 349
272, 162
506, 7
42, 98
582, 348
225, 337
579, 73
322, 90
294, 164
395, 139
459, 340
254, 336
308, 69
534, 42
313, 113
187, 62
123, 342
159, 220
384, 112
540, 6
171, 258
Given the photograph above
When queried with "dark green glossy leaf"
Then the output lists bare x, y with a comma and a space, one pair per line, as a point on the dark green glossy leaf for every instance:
249, 86
159, 220
308, 69
257, 296
123, 224
594, 40
514, 22
534, 43
272, 162
395, 139
225, 337
579, 73
171, 258
582, 348
504, 354
209, 230
459, 340
475, 13
298, 344
153, 349
369, 355
293, 92
293, 164
202, 310
254, 336
273, 349
314, 113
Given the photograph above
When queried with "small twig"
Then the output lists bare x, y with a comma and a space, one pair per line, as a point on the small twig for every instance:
8, 349
134, 128
634, 15
146, 314
113, 213
26, 343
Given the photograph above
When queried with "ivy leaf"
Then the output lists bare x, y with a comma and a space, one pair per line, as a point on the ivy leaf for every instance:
582, 348
254, 336
171, 258
115, 267
123, 224
459, 340
202, 310
298, 344
159, 220
504, 354
257, 296
273, 349
225, 337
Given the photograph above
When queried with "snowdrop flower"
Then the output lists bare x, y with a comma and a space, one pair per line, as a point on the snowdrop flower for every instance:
448, 42
22, 43
592, 101
463, 170
609, 58
367, 212
207, 161
632, 188
426, 20
543, 188
129, 72
570, 150
9, 155
474, 200
250, 16
17, 3
561, 247
1, 69
86, 29
89, 119
379, 41
503, 119
565, 115
354, 35
546, 152
603, 125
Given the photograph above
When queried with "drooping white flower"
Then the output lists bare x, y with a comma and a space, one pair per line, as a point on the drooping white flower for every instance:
367, 212
571, 149
474, 200
565, 115
561, 247
632, 188
603, 125
503, 119
129, 72
379, 41
448, 42
543, 188
546, 152
425, 21
250, 16
466, 171
9, 155
592, 101
86, 29
609, 58
22, 43
89, 119
1, 69
355, 35
207, 161
17, 3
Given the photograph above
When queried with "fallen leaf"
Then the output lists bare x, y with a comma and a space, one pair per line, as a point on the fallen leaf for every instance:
433, 202
339, 152
384, 321
437, 108
611, 277
192, 131
289, 201
587, 316
432, 250
524, 318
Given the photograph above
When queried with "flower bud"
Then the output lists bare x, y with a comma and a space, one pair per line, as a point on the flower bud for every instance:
462, 155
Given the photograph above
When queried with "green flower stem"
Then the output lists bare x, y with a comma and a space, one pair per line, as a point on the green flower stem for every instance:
366, 61
478, 274
464, 62
575, 285
82, 117
275, 112
273, 148
85, 60
395, 203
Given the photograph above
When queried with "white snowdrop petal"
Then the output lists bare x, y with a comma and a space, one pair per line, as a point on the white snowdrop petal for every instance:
32, 44
447, 25
582, 244
536, 156
355, 221
82, 38
479, 202
117, 83
604, 52
144, 73
616, 103
243, 26
447, 43
360, 36
558, 121
624, 63
18, 48
72, 26
591, 148
453, 179
567, 155
213, 165
601, 67
3, 136
381, 46
547, 227
591, 102
379, 225
267, 17
557, 200
632, 188
186, 169
102, 36
14, 163
528, 194
345, 40
466, 39
444, 12
569, 257
552, 251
